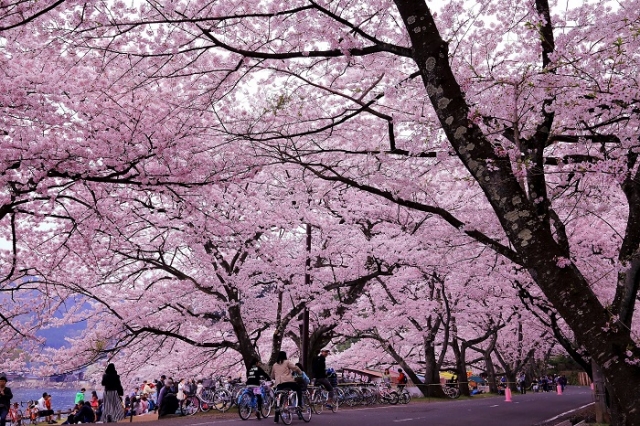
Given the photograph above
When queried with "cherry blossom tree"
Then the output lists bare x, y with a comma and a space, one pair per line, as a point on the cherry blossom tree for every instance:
514, 126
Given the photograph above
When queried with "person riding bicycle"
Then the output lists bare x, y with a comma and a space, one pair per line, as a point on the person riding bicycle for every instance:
254, 374
319, 370
281, 373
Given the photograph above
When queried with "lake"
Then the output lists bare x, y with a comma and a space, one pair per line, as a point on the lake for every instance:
61, 399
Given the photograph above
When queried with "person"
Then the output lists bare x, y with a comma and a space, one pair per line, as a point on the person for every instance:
302, 379
167, 401
15, 416
562, 381
31, 413
534, 385
143, 405
85, 413
5, 400
44, 408
112, 410
402, 379
95, 402
146, 388
319, 370
386, 377
159, 386
522, 383
71, 419
282, 374
80, 396
254, 374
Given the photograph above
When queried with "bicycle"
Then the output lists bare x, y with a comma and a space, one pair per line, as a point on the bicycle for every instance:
248, 401
190, 405
15, 415
404, 397
286, 404
385, 395
452, 391
319, 398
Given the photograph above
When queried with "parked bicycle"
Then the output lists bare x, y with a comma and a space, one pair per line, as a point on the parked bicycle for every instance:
404, 397
451, 390
319, 398
384, 394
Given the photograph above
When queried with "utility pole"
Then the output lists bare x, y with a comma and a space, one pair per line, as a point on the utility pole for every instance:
305, 314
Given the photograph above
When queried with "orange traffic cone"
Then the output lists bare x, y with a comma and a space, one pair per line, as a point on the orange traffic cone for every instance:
507, 395
559, 390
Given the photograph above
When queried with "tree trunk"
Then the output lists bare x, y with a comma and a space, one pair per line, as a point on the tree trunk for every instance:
431, 386
602, 413
459, 351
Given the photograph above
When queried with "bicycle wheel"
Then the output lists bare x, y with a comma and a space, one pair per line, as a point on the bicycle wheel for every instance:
205, 406
405, 397
190, 406
392, 397
285, 412
207, 395
317, 403
267, 404
338, 396
306, 410
244, 407
222, 400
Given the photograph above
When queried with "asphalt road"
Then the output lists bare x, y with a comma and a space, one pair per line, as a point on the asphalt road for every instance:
524, 410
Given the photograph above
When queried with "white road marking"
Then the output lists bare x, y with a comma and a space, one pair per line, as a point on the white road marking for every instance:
568, 412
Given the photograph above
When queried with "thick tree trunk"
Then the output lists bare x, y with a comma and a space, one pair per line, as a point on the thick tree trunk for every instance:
459, 351
245, 343
491, 372
527, 228
431, 386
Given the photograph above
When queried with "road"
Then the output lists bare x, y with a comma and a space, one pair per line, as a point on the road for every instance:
524, 410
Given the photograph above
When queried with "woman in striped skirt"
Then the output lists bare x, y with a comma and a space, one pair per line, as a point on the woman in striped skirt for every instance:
112, 408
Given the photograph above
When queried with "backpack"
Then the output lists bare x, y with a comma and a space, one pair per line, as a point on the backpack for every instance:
402, 378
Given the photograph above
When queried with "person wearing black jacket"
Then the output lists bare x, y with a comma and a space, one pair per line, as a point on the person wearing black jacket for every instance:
113, 410
5, 400
319, 370
254, 374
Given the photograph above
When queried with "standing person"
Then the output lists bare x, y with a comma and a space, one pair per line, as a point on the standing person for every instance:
113, 410
562, 381
522, 383
402, 379
319, 370
5, 400
282, 373
44, 408
386, 377
254, 374
159, 386
80, 396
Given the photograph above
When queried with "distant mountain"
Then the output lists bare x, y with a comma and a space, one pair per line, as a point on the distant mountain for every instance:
56, 336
